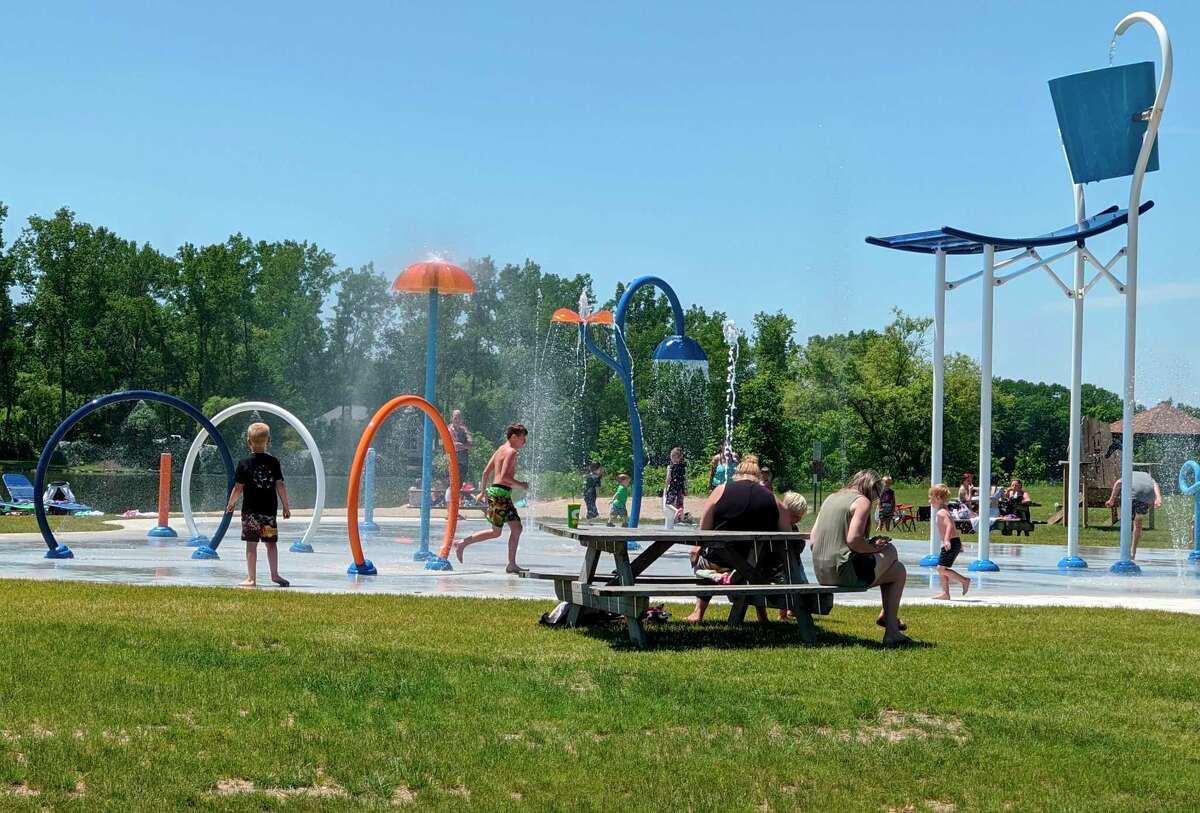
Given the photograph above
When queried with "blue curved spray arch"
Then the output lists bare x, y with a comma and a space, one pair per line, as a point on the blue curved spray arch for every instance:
622, 365
59, 551
1189, 486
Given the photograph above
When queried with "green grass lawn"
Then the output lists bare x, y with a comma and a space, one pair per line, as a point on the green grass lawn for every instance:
1179, 508
27, 524
154, 699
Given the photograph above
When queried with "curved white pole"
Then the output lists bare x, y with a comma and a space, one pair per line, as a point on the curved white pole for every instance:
185, 487
1135, 196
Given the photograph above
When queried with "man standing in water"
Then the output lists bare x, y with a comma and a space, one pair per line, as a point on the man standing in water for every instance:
1145, 494
500, 508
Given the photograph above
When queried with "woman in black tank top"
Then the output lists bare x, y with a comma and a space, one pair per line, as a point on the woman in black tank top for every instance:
742, 504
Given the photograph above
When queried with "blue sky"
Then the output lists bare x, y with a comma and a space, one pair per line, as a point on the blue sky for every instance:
742, 151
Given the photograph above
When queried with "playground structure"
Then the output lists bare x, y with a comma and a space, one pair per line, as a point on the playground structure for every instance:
1189, 486
60, 551
361, 566
437, 278
206, 550
678, 348
1108, 120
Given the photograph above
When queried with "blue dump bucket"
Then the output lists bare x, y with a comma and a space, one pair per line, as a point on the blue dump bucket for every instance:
1098, 117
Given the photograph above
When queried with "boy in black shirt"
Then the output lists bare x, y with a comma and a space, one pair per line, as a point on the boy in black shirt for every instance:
259, 482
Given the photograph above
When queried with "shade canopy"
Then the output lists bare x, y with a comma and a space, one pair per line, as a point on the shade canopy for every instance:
444, 277
960, 241
1100, 119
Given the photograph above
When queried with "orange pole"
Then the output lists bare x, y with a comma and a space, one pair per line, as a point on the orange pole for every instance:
360, 457
164, 488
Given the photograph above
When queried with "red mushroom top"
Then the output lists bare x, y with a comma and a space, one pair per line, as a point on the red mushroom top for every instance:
446, 277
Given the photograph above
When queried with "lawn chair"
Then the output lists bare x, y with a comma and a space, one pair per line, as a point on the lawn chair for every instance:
905, 518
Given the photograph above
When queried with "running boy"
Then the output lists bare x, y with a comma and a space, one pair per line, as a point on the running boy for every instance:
939, 497
500, 508
259, 484
617, 510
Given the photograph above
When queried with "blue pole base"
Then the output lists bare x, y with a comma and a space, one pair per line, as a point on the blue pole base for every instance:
198, 541
631, 545
930, 560
1125, 568
205, 552
424, 554
369, 526
367, 568
162, 532
301, 547
1072, 563
1194, 556
984, 566
61, 552
438, 563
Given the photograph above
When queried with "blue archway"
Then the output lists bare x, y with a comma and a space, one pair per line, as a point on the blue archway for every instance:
60, 551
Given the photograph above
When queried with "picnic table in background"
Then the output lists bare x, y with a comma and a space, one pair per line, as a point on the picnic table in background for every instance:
780, 582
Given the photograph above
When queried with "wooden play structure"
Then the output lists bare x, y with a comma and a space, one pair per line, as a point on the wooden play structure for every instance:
1100, 467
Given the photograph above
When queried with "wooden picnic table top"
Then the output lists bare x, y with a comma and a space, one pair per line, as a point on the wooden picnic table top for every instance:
676, 535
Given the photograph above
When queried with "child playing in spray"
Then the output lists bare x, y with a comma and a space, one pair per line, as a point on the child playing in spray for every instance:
939, 496
675, 490
591, 487
259, 484
617, 510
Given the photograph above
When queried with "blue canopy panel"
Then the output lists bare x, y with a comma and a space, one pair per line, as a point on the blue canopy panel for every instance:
958, 241
1099, 119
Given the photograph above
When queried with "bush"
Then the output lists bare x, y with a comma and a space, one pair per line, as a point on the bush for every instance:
1030, 465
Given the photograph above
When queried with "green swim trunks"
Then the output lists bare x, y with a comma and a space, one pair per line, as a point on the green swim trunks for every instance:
500, 508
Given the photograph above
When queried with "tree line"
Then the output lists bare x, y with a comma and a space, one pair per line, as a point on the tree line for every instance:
85, 311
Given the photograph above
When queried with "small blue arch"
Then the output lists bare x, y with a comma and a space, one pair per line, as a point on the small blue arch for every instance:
58, 551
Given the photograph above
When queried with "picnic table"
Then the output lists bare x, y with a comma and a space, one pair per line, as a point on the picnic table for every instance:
780, 581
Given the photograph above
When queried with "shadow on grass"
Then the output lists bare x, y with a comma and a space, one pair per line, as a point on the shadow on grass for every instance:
681, 637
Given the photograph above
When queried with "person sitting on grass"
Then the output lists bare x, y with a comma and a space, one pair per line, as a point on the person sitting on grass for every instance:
845, 555
939, 497
259, 485
500, 508
742, 504
617, 510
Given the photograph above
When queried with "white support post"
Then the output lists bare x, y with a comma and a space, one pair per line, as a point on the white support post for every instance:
1075, 450
1126, 564
939, 364
984, 562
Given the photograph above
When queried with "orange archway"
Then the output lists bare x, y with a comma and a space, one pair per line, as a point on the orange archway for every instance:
360, 456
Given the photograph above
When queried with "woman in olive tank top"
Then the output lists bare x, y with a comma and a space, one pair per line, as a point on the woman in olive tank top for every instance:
844, 554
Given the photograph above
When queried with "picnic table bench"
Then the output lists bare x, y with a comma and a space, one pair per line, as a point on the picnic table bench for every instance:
627, 590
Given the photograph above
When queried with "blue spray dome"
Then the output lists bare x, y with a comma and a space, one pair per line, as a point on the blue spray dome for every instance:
1100, 119
681, 349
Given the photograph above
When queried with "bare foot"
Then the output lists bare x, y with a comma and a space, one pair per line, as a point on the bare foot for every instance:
694, 618
281, 581
942, 597
513, 569
458, 549
966, 585
898, 641
784, 615
248, 583
880, 622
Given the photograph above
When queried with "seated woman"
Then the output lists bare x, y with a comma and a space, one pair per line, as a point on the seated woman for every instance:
1016, 499
742, 504
844, 554
967, 491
